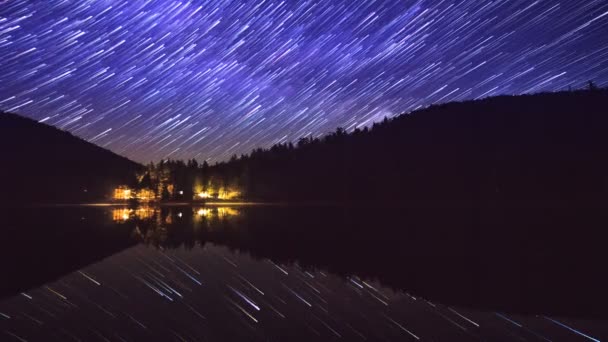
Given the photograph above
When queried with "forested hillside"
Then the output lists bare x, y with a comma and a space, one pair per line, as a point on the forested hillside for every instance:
42, 164
542, 147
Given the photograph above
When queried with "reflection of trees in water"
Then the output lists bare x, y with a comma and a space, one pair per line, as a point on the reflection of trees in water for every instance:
220, 212
169, 227
489, 259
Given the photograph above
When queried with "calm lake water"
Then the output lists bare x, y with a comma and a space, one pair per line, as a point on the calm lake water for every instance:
275, 273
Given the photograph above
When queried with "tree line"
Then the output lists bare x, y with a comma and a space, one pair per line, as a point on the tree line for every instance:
548, 146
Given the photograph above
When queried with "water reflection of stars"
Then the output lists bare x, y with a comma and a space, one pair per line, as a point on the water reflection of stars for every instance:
211, 293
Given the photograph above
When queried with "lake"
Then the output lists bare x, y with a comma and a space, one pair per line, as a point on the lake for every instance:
285, 273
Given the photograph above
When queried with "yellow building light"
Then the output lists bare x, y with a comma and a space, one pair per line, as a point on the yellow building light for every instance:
122, 193
228, 195
204, 194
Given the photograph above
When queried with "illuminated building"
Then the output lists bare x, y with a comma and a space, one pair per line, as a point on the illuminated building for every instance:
222, 194
146, 195
124, 193
204, 194
228, 194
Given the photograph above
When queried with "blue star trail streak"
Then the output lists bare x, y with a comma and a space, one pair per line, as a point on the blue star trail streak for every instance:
145, 294
208, 79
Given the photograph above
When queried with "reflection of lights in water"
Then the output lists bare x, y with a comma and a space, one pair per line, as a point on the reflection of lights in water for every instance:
227, 211
203, 212
120, 214
216, 212
146, 212
124, 214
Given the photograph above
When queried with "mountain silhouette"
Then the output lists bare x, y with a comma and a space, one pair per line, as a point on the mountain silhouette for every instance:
547, 148
43, 164
527, 150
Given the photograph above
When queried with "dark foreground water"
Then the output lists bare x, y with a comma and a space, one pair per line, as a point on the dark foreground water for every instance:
272, 273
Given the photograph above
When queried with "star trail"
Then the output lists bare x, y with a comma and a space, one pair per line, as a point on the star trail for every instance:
207, 79
145, 294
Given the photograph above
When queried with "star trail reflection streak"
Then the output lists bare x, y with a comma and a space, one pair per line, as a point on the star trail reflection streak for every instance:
573, 329
208, 79
303, 305
295, 292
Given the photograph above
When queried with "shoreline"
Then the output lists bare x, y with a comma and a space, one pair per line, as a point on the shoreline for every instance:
420, 204
154, 204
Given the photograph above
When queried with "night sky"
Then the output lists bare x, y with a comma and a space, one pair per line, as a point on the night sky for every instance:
208, 79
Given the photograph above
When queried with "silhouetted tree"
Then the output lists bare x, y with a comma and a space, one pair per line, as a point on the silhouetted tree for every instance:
591, 86
466, 152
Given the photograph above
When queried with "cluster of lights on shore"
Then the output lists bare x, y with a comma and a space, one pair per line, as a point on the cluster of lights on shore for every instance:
222, 195
124, 193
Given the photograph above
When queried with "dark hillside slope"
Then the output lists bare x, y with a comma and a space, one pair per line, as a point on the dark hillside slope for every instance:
42, 164
549, 147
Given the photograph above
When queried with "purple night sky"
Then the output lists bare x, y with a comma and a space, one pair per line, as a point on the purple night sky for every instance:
208, 79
